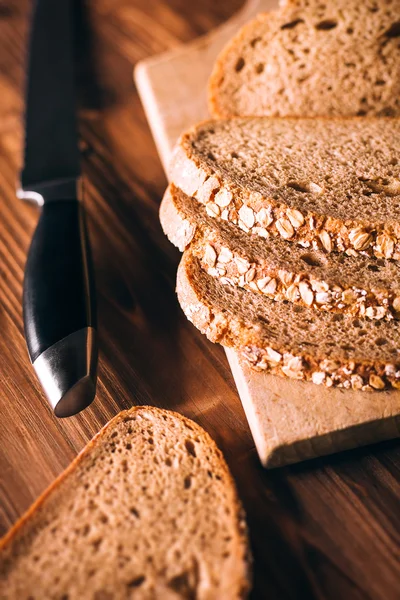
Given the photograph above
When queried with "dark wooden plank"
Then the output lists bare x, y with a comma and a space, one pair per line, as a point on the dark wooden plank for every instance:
326, 529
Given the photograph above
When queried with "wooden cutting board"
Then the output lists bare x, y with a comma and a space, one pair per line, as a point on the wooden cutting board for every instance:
290, 420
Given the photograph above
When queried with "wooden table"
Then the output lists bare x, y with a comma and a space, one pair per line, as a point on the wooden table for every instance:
329, 528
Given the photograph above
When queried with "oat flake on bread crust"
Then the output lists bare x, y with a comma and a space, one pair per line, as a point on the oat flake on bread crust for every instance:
291, 340
323, 183
356, 285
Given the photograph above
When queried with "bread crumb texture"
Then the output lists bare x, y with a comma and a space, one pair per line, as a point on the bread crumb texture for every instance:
288, 339
335, 282
332, 184
148, 510
312, 58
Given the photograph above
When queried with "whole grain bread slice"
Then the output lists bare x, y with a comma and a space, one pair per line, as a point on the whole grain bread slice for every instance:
324, 183
312, 59
356, 285
147, 510
291, 340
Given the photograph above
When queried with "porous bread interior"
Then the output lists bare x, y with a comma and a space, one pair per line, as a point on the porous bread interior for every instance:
251, 319
312, 58
334, 268
348, 169
150, 511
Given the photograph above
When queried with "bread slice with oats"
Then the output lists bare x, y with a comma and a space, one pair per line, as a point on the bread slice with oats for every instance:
147, 510
291, 340
312, 59
356, 285
323, 183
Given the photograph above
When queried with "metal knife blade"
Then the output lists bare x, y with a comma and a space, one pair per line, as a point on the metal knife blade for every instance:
58, 296
51, 139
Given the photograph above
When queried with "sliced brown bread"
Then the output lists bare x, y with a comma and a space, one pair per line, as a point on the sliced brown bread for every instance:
291, 340
324, 183
357, 285
147, 510
312, 58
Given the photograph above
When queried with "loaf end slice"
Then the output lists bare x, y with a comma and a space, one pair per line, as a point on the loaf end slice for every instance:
291, 340
356, 285
147, 510
332, 184
312, 59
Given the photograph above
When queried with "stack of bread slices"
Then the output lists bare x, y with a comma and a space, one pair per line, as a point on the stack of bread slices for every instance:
287, 203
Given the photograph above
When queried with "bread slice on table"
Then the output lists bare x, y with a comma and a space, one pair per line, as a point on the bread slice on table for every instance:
323, 183
291, 340
147, 510
312, 59
356, 285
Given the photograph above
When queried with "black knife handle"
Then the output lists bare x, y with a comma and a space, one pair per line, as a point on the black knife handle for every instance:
58, 298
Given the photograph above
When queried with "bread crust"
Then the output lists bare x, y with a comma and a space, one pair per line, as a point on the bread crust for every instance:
230, 330
221, 259
197, 178
243, 581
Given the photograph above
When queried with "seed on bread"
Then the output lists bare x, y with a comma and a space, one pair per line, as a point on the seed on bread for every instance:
243, 265
207, 190
262, 284
384, 246
260, 231
306, 293
319, 286
318, 377
323, 298
360, 238
223, 197
210, 256
258, 328
246, 216
264, 217
285, 228
326, 241
293, 293
285, 276
349, 296
225, 255
251, 273
287, 265
270, 287
273, 356
356, 382
376, 382
263, 198
295, 217
375, 312
396, 304
293, 366
213, 209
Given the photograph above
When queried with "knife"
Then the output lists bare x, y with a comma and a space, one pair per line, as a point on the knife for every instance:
58, 294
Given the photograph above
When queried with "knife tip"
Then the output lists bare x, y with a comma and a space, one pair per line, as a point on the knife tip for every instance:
76, 398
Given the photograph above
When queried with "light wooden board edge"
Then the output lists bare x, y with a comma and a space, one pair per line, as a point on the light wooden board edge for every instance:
169, 106
290, 420
293, 421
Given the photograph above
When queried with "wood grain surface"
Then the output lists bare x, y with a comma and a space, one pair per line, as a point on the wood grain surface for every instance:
329, 528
